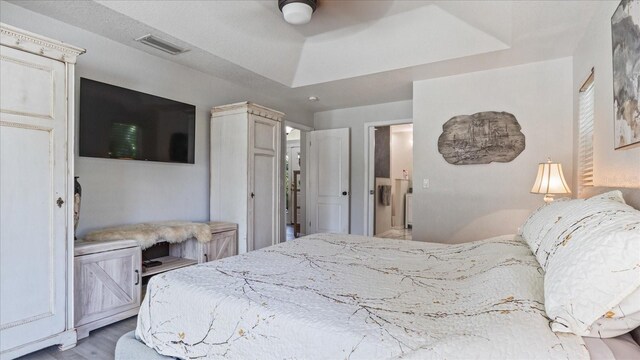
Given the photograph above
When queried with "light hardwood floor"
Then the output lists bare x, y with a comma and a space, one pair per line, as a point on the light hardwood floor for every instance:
100, 345
398, 233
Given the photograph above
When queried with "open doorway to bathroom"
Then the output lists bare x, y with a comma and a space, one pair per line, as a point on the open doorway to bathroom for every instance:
294, 182
391, 187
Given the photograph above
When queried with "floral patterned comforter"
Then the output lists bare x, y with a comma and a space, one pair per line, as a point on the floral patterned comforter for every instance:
329, 296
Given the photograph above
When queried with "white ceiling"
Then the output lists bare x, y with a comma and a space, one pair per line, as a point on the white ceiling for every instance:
351, 53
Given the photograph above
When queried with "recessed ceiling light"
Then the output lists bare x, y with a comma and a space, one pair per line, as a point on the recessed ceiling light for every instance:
314, 98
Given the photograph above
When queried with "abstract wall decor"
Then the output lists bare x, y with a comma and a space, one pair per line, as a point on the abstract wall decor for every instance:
481, 138
625, 39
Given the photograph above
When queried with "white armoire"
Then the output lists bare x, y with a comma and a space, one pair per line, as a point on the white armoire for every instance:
36, 192
246, 168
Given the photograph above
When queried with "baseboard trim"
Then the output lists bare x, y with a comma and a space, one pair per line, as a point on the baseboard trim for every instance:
83, 331
66, 340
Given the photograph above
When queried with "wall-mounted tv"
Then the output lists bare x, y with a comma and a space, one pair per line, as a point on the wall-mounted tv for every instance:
119, 123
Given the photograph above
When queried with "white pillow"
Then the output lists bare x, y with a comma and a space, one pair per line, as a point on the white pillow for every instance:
592, 263
540, 222
620, 319
548, 239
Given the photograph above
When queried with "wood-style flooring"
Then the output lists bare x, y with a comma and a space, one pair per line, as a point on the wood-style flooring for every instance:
398, 233
100, 345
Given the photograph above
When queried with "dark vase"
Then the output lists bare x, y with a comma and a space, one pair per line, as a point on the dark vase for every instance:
77, 198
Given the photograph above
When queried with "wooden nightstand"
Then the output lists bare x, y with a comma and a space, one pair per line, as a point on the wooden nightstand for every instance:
107, 279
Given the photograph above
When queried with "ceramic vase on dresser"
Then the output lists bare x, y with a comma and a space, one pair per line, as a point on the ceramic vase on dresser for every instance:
77, 199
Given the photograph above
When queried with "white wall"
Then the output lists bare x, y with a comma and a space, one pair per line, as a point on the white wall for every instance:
471, 202
293, 135
616, 168
401, 153
401, 159
355, 118
118, 191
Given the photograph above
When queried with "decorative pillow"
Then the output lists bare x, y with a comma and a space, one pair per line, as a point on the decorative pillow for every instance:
540, 222
592, 263
547, 241
620, 319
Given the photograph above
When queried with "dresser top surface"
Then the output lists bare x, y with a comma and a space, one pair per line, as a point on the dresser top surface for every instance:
92, 247
220, 226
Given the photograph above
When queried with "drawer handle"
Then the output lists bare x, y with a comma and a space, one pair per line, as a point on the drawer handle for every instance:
206, 258
137, 277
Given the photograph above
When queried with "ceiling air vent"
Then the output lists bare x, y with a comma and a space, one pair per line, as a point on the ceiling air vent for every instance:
161, 44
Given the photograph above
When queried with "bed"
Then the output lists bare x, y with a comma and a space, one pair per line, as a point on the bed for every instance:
331, 296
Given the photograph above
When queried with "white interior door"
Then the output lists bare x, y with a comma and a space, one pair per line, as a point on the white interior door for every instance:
33, 191
371, 186
293, 154
328, 191
264, 183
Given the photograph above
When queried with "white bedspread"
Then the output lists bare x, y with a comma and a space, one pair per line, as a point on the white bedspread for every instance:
340, 296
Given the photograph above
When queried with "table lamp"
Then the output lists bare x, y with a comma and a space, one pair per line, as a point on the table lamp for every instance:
550, 181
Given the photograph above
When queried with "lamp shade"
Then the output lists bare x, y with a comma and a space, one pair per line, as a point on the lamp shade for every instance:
550, 179
297, 12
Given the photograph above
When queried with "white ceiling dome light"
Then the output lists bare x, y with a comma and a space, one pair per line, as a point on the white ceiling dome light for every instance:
297, 12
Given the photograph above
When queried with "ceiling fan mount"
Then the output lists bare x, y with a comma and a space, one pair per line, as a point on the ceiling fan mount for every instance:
297, 12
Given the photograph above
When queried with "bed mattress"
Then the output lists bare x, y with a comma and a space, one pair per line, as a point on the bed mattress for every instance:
343, 296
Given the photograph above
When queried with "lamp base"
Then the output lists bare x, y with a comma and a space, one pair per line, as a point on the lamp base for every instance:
548, 198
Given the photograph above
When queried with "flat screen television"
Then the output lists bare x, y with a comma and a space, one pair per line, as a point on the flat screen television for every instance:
119, 123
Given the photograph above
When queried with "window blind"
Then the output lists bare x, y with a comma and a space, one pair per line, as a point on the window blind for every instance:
585, 134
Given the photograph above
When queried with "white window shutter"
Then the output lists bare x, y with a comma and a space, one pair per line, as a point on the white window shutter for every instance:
585, 134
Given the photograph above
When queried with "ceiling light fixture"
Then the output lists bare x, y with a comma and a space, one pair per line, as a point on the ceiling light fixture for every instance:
314, 98
297, 12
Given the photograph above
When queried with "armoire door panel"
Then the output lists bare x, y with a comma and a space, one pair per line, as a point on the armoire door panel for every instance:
33, 187
31, 209
34, 97
264, 134
264, 200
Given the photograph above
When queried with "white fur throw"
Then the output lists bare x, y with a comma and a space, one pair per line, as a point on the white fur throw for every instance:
148, 234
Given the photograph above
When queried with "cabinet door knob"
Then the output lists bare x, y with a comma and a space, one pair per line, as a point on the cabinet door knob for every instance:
137, 277
344, 193
60, 202
206, 258
253, 195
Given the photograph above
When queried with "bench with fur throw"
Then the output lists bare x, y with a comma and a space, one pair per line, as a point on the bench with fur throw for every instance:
149, 234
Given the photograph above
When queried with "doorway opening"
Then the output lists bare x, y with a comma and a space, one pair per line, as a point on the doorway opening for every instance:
294, 181
390, 176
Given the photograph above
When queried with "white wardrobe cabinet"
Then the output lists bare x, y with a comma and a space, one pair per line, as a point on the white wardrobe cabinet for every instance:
246, 167
36, 188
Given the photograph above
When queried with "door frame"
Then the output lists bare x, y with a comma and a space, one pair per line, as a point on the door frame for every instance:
303, 156
369, 176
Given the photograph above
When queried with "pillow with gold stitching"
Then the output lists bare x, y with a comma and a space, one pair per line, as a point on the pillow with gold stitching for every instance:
592, 263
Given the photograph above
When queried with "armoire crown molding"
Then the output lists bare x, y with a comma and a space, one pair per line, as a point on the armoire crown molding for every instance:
37, 44
247, 107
